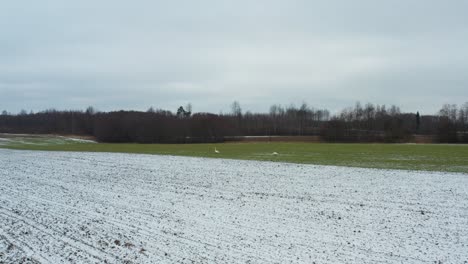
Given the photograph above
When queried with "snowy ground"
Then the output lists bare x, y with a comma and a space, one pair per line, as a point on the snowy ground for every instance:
29, 139
122, 208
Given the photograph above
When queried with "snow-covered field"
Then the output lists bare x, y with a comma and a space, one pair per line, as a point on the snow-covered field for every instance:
30, 139
120, 208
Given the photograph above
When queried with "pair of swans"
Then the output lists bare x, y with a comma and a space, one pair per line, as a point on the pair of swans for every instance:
217, 152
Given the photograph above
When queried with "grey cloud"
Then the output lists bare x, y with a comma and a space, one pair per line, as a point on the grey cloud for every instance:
122, 54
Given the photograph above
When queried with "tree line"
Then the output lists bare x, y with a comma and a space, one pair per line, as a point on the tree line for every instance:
360, 123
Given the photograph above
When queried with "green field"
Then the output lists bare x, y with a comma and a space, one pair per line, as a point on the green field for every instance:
431, 157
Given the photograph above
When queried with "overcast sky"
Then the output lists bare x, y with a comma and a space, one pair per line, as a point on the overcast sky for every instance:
115, 54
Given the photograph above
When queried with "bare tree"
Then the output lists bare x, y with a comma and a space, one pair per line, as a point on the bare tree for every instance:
463, 115
236, 109
188, 108
90, 110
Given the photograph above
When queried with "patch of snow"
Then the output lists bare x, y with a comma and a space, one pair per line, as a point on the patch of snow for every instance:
79, 140
93, 207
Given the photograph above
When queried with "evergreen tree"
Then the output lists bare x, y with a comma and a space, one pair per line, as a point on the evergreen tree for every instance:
418, 121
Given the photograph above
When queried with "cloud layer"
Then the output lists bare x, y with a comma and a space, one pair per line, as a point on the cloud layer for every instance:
137, 54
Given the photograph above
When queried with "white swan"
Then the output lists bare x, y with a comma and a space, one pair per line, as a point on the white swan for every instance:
216, 151
274, 153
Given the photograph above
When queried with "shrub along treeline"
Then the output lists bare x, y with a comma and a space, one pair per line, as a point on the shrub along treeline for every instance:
368, 123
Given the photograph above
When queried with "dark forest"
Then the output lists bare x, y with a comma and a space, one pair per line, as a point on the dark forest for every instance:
360, 123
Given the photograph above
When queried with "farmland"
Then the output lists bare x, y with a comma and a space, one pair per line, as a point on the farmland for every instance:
425, 157
96, 207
